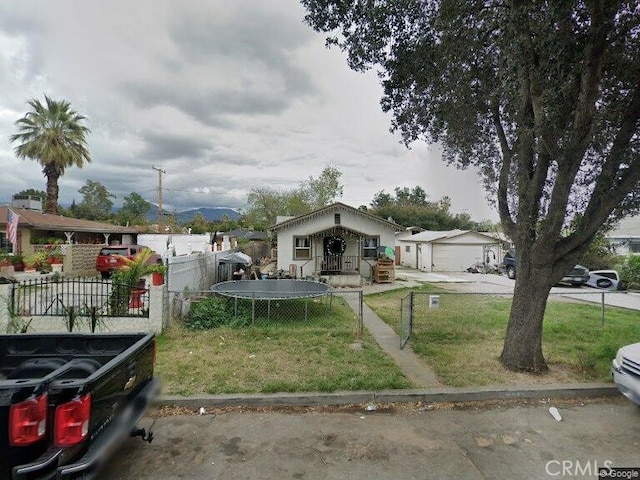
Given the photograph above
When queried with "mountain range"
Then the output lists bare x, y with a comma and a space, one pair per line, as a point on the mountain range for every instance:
210, 214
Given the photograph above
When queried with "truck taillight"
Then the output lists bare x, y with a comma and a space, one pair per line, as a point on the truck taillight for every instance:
71, 424
28, 421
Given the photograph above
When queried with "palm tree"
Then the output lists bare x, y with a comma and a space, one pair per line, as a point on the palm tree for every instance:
53, 135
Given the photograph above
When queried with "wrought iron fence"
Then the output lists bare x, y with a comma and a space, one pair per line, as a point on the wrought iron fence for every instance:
79, 297
416, 305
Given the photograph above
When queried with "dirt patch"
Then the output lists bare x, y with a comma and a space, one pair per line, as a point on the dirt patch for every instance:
389, 408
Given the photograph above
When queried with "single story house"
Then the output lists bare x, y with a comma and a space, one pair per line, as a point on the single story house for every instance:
449, 251
80, 240
337, 240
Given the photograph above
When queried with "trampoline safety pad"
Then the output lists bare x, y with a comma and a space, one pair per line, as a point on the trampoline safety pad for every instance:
277, 289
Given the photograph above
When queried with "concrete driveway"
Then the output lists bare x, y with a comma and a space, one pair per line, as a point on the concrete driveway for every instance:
491, 283
417, 442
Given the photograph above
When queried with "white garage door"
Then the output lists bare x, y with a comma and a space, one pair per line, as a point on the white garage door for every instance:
455, 257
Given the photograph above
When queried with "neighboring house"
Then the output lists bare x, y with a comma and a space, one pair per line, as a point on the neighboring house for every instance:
408, 231
36, 228
334, 240
252, 242
450, 251
625, 238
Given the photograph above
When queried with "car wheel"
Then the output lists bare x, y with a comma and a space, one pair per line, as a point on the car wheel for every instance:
105, 275
604, 283
511, 272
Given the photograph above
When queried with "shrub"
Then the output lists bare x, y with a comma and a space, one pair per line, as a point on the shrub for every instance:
215, 312
630, 271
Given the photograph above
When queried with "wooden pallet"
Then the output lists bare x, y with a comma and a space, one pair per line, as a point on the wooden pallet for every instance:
384, 271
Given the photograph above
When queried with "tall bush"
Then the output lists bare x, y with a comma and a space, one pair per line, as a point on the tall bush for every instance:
630, 271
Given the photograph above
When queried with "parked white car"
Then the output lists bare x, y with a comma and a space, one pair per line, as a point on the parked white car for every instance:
625, 370
606, 279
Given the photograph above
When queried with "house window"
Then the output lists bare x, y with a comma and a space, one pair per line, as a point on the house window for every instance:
336, 218
407, 248
634, 246
4, 242
302, 248
370, 247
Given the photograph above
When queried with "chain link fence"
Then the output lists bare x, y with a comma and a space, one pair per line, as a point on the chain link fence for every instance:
339, 308
416, 306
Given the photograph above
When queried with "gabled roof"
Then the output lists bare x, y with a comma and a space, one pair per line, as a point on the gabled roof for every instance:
330, 209
37, 220
432, 236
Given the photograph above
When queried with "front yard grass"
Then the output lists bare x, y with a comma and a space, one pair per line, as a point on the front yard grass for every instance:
463, 338
324, 354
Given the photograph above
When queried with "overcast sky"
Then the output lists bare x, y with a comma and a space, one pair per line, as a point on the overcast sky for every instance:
223, 95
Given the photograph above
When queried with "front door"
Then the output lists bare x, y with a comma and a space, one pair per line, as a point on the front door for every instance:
334, 248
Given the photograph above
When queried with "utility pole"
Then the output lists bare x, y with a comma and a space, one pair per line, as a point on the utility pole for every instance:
160, 172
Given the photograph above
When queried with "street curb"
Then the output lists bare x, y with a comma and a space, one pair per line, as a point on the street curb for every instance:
440, 395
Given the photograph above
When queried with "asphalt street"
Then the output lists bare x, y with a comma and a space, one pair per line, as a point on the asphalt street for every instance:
517, 438
429, 441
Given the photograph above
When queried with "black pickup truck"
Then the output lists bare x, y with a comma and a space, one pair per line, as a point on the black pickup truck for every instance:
68, 400
577, 277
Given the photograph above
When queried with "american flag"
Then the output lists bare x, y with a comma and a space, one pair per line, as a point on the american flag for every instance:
12, 226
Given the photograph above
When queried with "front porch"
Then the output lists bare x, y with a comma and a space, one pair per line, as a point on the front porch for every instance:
339, 270
337, 265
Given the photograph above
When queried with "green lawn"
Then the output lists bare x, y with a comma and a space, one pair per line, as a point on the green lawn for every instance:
326, 353
462, 339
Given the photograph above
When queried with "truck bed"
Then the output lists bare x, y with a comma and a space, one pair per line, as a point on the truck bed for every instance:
112, 368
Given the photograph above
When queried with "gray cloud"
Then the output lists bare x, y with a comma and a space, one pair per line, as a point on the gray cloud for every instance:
167, 146
223, 95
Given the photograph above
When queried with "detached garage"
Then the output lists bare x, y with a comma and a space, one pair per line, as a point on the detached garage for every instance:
452, 251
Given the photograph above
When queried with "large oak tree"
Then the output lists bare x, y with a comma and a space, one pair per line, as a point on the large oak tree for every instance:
542, 96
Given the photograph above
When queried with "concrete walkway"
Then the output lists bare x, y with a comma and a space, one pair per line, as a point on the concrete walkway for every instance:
414, 368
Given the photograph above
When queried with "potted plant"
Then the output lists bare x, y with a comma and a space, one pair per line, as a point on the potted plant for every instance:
157, 271
35, 261
5, 264
4, 260
128, 282
18, 262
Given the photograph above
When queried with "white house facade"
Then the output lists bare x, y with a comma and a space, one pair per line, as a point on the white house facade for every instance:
334, 240
625, 237
450, 251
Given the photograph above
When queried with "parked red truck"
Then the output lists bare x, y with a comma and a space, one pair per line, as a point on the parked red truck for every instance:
68, 400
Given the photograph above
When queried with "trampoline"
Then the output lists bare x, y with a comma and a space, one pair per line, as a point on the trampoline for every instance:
279, 289
268, 290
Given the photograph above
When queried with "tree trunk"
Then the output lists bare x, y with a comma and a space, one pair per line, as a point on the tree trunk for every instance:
522, 350
52, 190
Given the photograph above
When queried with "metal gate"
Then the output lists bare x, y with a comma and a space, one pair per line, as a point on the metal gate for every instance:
406, 319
